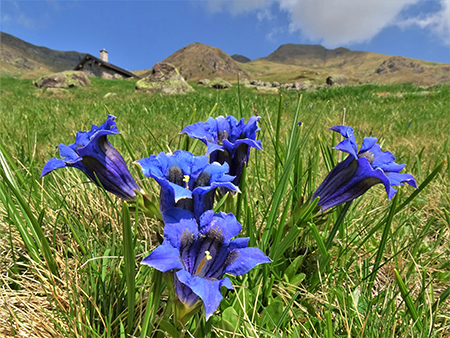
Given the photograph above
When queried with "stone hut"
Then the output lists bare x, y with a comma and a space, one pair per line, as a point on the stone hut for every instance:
100, 67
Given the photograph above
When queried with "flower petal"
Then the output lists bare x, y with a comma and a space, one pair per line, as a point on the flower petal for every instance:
354, 185
348, 145
225, 224
164, 258
207, 289
367, 144
174, 215
175, 232
83, 138
398, 179
52, 164
243, 260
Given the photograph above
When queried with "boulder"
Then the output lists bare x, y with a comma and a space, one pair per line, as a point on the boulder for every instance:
267, 84
203, 82
336, 79
267, 89
166, 79
219, 83
244, 82
67, 79
276, 84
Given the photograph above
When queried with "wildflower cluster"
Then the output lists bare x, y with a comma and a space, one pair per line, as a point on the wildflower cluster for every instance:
201, 246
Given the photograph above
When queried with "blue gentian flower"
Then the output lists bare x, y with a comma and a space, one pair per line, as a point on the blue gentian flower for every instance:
199, 254
98, 159
228, 140
360, 171
186, 181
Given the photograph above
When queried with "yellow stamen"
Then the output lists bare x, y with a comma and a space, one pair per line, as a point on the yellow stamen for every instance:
203, 262
186, 180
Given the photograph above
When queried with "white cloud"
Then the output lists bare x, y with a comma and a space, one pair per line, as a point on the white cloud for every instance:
341, 22
264, 14
337, 22
438, 23
275, 31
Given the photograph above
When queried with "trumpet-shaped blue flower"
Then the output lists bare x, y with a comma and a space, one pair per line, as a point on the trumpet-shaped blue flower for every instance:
186, 181
98, 159
200, 254
228, 140
360, 171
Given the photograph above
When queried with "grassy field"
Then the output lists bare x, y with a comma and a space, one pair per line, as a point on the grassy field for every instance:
369, 268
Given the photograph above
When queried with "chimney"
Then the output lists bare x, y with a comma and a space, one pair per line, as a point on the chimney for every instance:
104, 55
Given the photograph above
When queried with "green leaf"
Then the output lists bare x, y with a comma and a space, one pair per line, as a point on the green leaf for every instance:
293, 267
409, 303
272, 314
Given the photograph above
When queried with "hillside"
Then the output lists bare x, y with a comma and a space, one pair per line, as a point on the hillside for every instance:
290, 62
22, 59
315, 63
240, 58
197, 61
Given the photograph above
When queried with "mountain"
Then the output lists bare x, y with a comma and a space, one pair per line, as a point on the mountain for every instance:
240, 58
315, 63
20, 58
197, 61
290, 62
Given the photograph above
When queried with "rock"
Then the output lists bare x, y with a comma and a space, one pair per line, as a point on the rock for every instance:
267, 84
165, 78
67, 79
275, 84
398, 63
253, 82
249, 86
267, 89
219, 83
203, 82
337, 79
244, 82
299, 85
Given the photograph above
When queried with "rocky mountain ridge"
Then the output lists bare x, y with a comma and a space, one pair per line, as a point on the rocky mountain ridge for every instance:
289, 63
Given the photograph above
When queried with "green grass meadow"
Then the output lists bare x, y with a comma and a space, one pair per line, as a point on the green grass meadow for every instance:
70, 252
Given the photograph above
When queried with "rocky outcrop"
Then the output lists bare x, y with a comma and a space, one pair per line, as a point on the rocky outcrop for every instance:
166, 79
295, 86
398, 63
66, 79
219, 83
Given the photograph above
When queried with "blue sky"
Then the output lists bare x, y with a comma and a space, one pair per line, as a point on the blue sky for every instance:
137, 34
